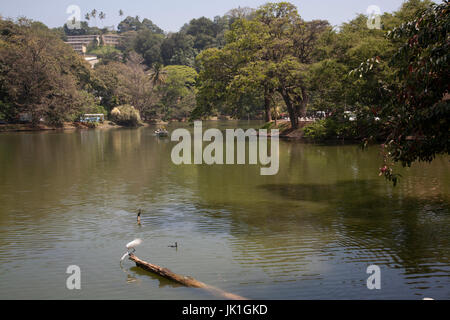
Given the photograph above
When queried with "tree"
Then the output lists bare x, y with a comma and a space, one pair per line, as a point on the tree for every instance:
336, 88
94, 15
203, 31
127, 83
84, 29
129, 24
417, 105
177, 92
149, 25
270, 53
102, 16
253, 76
41, 75
401, 81
158, 74
105, 53
217, 69
110, 86
126, 42
148, 44
178, 49
289, 49
240, 13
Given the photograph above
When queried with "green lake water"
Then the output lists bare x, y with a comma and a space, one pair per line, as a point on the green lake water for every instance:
309, 232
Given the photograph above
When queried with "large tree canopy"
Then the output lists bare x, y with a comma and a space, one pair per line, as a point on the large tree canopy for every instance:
413, 97
177, 92
41, 75
418, 104
135, 24
270, 53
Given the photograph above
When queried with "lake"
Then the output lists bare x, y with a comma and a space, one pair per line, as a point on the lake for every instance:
309, 232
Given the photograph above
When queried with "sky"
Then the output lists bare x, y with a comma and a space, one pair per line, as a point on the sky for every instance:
171, 15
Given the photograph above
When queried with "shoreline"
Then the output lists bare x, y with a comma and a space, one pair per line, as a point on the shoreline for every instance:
286, 132
67, 126
297, 135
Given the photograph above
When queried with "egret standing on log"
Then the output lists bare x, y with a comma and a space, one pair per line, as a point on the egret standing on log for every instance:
131, 246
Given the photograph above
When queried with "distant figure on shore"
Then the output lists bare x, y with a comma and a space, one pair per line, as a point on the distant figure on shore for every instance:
175, 246
139, 217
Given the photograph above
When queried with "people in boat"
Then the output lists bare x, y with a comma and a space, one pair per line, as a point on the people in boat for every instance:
161, 130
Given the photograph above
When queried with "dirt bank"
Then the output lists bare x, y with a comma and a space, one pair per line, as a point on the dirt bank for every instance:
286, 131
66, 126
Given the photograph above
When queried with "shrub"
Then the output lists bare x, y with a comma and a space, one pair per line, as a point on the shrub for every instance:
316, 130
126, 115
268, 125
333, 128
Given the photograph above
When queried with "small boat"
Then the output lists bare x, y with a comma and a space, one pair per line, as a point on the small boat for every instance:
162, 133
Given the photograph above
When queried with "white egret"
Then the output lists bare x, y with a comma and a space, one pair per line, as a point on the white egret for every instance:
134, 244
131, 246
124, 256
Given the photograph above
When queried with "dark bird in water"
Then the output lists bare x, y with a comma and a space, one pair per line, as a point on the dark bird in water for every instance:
139, 217
175, 246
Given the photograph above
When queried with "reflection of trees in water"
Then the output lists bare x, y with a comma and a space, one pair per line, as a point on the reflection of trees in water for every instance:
326, 199
81, 166
413, 231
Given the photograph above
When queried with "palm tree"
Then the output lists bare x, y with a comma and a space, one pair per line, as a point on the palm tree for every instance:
94, 15
157, 74
87, 16
102, 16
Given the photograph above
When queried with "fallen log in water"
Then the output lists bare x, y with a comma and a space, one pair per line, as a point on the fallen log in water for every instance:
185, 281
